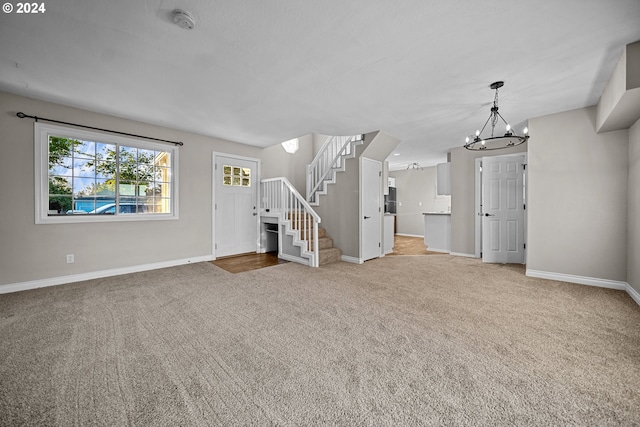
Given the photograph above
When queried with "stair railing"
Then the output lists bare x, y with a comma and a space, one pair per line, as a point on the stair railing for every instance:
330, 157
280, 198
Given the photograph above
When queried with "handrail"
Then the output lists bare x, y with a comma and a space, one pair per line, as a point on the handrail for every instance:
291, 188
328, 156
281, 198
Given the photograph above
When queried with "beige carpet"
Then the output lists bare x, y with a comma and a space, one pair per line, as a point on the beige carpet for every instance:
397, 341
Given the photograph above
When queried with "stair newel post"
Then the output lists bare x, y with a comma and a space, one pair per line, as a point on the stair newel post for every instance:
308, 181
316, 252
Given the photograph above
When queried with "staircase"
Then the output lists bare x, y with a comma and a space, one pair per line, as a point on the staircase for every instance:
299, 222
327, 253
330, 160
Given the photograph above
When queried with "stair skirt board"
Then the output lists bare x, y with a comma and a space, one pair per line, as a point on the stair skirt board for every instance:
327, 253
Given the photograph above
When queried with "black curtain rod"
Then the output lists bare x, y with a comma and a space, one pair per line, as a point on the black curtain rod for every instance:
23, 115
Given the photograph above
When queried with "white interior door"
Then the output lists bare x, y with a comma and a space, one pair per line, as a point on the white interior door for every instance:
371, 208
235, 205
503, 209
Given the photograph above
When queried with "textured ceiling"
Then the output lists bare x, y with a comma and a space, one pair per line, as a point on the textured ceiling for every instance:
261, 72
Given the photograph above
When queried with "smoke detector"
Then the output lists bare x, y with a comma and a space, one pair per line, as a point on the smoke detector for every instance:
184, 19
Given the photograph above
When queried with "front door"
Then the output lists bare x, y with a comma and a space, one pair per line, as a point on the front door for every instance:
371, 220
503, 209
235, 205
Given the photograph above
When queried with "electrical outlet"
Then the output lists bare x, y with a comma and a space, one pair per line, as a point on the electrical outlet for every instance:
70, 259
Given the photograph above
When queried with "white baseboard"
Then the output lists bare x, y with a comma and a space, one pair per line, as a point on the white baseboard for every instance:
351, 259
61, 280
410, 235
462, 254
444, 251
633, 294
582, 280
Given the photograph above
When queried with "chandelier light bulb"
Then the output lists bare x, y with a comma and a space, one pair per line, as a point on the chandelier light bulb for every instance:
478, 132
508, 127
482, 142
466, 139
525, 130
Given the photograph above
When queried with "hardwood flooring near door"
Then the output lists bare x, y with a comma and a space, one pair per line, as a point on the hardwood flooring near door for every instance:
247, 262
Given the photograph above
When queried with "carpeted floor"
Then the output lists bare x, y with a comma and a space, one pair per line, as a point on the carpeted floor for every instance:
397, 341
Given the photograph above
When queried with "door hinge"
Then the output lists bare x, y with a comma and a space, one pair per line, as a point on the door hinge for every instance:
524, 166
525, 246
524, 206
216, 165
379, 245
216, 206
216, 246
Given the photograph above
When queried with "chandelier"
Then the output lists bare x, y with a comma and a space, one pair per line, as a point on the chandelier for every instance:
509, 139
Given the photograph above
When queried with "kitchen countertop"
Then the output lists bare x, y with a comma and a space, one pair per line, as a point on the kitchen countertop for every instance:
436, 213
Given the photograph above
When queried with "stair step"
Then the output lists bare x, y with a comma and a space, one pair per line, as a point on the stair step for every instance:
321, 232
324, 242
327, 256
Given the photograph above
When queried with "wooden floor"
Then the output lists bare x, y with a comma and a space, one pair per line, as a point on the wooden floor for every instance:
247, 262
406, 245
403, 245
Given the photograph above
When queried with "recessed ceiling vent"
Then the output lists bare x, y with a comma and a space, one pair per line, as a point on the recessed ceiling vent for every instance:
184, 19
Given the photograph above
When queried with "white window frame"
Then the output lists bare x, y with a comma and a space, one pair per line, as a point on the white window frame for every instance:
42, 131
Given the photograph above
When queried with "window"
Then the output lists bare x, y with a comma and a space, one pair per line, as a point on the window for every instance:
236, 176
290, 146
84, 176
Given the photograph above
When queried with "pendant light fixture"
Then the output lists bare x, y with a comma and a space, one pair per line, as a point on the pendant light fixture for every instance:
510, 138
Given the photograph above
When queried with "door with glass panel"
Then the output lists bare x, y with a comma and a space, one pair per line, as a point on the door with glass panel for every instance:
235, 205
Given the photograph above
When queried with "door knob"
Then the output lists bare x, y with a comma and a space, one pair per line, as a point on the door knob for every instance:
488, 214
367, 217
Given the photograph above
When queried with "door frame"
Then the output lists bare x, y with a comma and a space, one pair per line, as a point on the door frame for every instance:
214, 156
478, 201
380, 213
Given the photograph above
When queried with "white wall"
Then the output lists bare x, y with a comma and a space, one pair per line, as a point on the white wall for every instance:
633, 216
31, 252
277, 163
577, 197
416, 190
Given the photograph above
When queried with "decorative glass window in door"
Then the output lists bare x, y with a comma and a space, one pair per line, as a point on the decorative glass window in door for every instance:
236, 176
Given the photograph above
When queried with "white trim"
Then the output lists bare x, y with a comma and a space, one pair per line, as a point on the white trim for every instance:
61, 280
410, 235
257, 181
633, 294
42, 132
478, 208
293, 258
444, 251
351, 259
478, 200
582, 280
463, 255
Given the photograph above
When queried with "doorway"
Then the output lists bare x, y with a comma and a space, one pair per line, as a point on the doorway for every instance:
235, 205
501, 208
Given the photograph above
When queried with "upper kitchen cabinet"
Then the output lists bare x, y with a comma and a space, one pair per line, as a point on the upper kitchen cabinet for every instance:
444, 179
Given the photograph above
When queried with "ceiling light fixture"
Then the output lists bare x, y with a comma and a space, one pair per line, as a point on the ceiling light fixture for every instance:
509, 139
184, 19
414, 166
